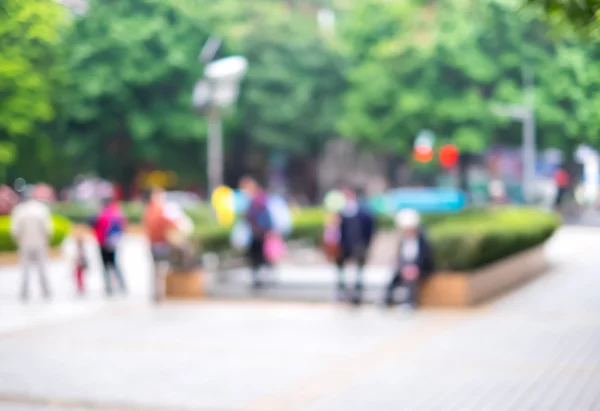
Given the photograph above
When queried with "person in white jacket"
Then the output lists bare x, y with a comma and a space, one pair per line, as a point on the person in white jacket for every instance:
31, 227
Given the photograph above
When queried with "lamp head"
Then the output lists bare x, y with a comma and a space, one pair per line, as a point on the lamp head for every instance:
229, 69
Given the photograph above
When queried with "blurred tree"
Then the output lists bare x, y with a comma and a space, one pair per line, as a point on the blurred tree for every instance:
439, 66
580, 15
30, 72
134, 65
132, 69
291, 95
414, 67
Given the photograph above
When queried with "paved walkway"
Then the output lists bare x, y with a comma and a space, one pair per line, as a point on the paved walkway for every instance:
535, 349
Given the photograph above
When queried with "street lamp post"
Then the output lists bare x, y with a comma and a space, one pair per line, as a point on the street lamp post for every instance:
218, 89
215, 150
525, 114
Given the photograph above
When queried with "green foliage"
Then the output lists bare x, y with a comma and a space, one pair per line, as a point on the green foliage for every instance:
415, 67
461, 241
30, 74
61, 225
291, 96
308, 224
578, 15
439, 66
472, 241
84, 213
133, 66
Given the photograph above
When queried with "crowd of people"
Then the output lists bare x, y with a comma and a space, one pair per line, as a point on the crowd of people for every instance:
348, 236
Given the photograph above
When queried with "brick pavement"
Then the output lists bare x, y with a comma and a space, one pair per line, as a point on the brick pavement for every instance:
535, 349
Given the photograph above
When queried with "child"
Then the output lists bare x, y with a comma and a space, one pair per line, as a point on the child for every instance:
80, 261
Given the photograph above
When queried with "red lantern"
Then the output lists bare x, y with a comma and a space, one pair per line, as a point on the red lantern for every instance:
448, 155
423, 154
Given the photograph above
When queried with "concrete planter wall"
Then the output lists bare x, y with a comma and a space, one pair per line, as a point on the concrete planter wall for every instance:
185, 285
463, 289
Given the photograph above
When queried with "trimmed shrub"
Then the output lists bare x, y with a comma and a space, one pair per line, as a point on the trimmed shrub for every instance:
83, 213
308, 224
134, 211
62, 227
469, 241
461, 241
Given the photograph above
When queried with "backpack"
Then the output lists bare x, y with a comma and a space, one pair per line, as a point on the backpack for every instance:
113, 234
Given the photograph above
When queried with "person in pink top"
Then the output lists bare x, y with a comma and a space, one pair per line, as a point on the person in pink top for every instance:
109, 227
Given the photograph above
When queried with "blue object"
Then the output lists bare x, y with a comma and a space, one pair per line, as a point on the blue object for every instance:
281, 216
241, 202
424, 200
114, 232
241, 235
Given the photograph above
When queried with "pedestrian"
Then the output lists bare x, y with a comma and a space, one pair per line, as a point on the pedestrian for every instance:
562, 182
356, 229
31, 228
414, 262
109, 228
81, 262
261, 225
157, 225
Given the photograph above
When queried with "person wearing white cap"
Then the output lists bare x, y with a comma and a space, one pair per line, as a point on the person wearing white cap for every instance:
414, 261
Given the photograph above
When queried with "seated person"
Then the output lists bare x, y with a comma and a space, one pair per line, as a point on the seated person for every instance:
414, 261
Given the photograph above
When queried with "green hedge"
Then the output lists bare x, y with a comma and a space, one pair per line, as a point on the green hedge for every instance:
62, 227
469, 241
134, 211
461, 241
82, 213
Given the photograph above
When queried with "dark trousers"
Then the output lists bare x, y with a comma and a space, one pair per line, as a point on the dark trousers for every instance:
256, 258
360, 259
560, 195
412, 287
110, 265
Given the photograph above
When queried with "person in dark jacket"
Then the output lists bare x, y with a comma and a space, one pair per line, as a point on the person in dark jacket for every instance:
414, 262
355, 234
260, 223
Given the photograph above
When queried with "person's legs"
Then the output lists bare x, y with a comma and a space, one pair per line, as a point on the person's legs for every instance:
79, 279
118, 273
160, 256
559, 198
42, 260
256, 257
25, 260
106, 265
159, 281
341, 282
359, 284
394, 283
412, 287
